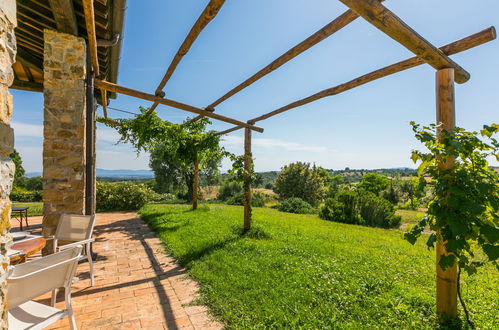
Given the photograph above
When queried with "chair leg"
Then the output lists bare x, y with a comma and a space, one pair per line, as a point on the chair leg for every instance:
69, 307
53, 300
91, 264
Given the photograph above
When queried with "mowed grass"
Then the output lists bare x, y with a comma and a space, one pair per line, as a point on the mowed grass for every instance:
410, 216
298, 271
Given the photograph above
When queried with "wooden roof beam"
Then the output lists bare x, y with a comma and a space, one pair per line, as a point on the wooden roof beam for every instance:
64, 15
88, 8
461, 45
381, 17
182, 106
27, 86
209, 13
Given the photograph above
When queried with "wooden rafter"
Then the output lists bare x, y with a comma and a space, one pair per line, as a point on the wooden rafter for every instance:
325, 32
27, 86
381, 17
88, 8
182, 106
206, 16
450, 49
64, 15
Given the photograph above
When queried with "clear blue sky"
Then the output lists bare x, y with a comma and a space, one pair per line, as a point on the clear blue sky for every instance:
367, 127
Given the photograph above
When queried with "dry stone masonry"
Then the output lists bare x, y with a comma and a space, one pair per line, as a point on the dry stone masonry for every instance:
7, 57
64, 127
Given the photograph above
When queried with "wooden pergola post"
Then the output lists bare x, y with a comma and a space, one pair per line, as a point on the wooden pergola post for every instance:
446, 280
247, 179
195, 183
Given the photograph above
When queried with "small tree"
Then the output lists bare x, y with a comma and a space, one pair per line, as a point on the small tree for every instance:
19, 173
303, 181
178, 151
374, 183
464, 212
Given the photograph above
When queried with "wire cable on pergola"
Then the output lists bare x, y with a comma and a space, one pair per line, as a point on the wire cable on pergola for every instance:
206, 16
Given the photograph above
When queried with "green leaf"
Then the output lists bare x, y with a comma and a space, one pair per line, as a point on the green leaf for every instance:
492, 251
491, 233
447, 261
431, 240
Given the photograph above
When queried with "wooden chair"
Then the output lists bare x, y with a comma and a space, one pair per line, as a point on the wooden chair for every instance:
78, 229
34, 278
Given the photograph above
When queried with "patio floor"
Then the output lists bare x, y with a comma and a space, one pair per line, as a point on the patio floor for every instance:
137, 285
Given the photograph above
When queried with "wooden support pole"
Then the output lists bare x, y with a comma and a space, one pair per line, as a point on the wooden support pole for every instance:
381, 17
195, 183
248, 169
206, 16
458, 46
182, 106
90, 201
446, 280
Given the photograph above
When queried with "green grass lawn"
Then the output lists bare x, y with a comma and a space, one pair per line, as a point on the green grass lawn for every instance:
298, 271
35, 209
410, 216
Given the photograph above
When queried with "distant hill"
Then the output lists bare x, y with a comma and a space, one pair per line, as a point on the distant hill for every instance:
125, 174
117, 174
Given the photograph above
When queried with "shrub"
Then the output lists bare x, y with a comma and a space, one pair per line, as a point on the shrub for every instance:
125, 196
295, 205
342, 208
303, 181
360, 207
377, 211
257, 199
374, 183
229, 190
34, 183
22, 195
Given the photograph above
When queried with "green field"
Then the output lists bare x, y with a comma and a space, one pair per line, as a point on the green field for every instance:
410, 216
298, 271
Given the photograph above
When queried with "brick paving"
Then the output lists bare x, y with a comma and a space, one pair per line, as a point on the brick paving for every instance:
137, 285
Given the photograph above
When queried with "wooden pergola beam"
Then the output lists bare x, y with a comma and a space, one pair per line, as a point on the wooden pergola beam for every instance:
328, 30
325, 32
210, 11
182, 106
381, 17
450, 49
64, 15
88, 9
27, 86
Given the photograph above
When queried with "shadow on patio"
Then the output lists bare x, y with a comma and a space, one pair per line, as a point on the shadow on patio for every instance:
137, 285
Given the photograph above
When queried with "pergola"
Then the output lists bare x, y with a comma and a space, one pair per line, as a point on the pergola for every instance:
100, 21
374, 12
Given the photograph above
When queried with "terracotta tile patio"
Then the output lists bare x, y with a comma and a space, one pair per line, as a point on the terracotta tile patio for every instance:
137, 285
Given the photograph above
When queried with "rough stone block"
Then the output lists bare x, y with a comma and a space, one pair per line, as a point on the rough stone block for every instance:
7, 170
6, 140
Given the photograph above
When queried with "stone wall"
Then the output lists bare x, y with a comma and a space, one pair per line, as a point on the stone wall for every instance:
7, 57
64, 127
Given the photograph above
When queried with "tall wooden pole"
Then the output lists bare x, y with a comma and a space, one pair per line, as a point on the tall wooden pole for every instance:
247, 179
446, 279
195, 183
